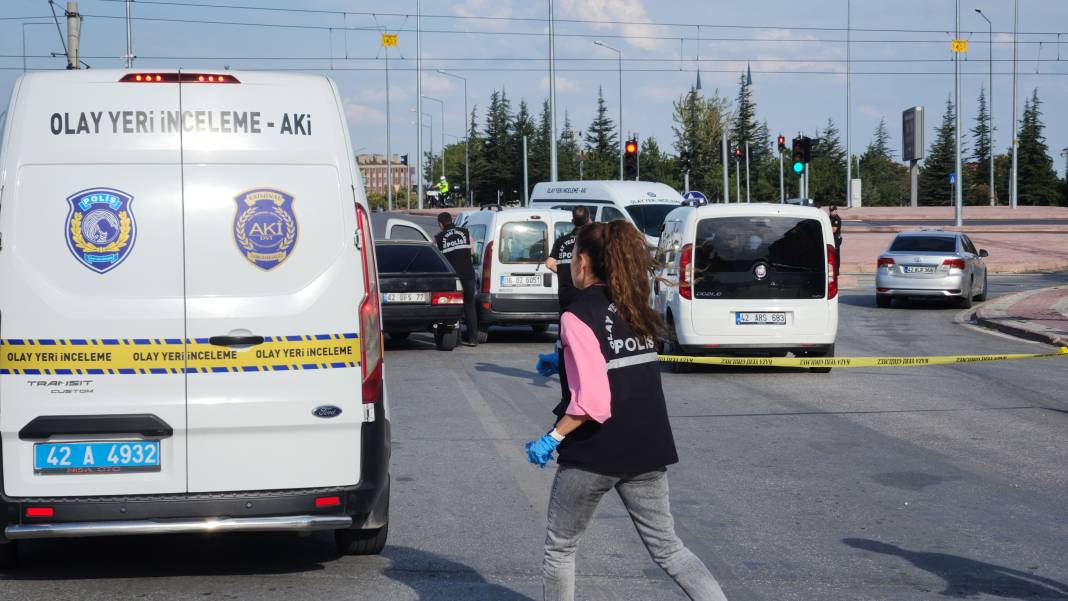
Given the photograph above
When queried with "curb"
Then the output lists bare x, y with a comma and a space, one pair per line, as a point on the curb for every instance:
1017, 327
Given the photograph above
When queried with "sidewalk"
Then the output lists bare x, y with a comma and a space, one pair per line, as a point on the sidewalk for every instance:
1040, 315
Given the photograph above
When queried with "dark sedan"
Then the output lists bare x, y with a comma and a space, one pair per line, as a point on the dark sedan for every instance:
420, 292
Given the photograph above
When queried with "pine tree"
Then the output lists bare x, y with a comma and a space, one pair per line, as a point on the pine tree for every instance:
935, 188
567, 156
1037, 179
699, 124
523, 125
499, 162
884, 180
745, 127
982, 149
880, 141
828, 168
602, 144
476, 151
539, 147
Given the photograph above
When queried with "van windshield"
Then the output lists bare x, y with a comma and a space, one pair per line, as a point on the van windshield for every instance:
523, 242
759, 258
649, 217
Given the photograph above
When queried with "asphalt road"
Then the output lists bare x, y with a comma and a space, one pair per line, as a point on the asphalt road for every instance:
863, 484
950, 222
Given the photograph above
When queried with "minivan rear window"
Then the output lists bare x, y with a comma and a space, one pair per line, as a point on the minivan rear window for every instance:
650, 218
410, 258
759, 258
924, 244
523, 242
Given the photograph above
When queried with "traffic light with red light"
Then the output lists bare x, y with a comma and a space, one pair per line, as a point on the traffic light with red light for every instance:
630, 159
738, 153
782, 143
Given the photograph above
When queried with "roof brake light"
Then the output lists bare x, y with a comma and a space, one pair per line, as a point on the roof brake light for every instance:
178, 77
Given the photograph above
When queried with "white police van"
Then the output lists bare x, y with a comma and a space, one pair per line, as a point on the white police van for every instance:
645, 204
747, 279
515, 286
190, 336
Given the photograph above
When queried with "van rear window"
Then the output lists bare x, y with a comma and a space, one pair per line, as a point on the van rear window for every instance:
759, 258
523, 242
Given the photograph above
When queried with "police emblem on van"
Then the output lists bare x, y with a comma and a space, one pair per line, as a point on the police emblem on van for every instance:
265, 227
100, 227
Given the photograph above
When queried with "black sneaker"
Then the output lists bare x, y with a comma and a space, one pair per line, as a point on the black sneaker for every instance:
466, 343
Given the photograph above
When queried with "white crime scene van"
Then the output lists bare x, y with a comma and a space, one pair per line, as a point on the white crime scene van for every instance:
515, 286
747, 279
190, 331
645, 204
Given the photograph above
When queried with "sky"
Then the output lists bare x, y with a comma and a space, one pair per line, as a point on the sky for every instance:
796, 50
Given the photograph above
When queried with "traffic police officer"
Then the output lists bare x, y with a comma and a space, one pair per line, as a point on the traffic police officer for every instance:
455, 243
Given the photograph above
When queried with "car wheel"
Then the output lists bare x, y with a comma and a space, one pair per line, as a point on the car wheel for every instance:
982, 295
483, 335
966, 300
540, 328
446, 341
9, 555
399, 335
361, 542
822, 370
883, 301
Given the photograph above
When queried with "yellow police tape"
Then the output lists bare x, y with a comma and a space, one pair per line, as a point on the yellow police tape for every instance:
857, 361
175, 355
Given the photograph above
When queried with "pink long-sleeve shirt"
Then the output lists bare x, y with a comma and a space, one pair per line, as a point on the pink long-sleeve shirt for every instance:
587, 372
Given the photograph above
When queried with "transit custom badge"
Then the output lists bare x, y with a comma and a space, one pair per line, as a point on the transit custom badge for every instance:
265, 227
100, 228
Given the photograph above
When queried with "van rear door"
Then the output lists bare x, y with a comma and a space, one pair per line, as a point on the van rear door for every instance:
273, 283
91, 301
522, 247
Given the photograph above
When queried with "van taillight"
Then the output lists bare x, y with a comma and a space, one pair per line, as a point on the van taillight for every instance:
370, 314
40, 512
487, 263
953, 263
832, 273
178, 77
686, 272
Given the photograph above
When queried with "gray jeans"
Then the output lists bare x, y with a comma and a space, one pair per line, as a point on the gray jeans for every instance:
574, 499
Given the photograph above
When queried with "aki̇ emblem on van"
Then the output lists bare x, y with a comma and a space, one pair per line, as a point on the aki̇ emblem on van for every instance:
265, 227
100, 228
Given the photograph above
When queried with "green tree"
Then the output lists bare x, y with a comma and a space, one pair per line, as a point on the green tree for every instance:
828, 167
884, 180
567, 153
539, 148
699, 124
934, 183
655, 166
982, 151
602, 144
523, 125
497, 149
1038, 181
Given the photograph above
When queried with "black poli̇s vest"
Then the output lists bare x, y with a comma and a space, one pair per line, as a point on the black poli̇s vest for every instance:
562, 251
637, 438
455, 243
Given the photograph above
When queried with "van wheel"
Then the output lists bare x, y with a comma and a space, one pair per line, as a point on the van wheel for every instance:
9, 555
671, 347
822, 370
883, 301
446, 341
483, 335
399, 335
361, 542
540, 328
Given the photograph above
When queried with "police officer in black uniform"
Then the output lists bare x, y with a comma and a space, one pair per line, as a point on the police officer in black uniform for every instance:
456, 244
559, 261
836, 229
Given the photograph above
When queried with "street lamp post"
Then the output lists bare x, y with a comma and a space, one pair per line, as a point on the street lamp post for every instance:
419, 95
467, 141
957, 194
619, 54
990, 107
552, 94
1013, 196
442, 103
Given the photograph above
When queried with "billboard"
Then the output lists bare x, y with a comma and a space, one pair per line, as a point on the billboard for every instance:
912, 134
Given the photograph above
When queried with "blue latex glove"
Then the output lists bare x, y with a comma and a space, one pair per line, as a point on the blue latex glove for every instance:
540, 451
548, 364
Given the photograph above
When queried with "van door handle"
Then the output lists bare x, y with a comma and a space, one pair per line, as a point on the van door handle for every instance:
235, 340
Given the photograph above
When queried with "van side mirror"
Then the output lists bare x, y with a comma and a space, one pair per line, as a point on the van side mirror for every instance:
983, 253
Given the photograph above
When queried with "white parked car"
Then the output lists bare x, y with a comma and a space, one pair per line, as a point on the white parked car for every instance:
747, 279
191, 326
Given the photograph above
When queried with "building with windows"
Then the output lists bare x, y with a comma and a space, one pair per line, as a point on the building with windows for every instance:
374, 169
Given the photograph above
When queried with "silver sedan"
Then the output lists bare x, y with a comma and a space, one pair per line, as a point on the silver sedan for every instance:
931, 264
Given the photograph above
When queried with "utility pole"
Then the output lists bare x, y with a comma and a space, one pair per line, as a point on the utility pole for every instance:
990, 105
552, 94
849, 104
737, 179
726, 171
959, 197
389, 149
747, 198
782, 187
419, 99
526, 182
1013, 196
74, 21
129, 33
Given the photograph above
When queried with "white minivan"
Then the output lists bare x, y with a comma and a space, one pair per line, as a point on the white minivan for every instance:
747, 279
645, 204
191, 329
515, 286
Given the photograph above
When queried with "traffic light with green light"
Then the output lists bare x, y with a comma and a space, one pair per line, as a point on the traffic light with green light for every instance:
799, 155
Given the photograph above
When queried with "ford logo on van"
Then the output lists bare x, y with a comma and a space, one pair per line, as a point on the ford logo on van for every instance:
326, 411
